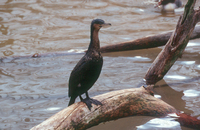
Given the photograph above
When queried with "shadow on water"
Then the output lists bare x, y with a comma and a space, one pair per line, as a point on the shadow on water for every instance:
171, 96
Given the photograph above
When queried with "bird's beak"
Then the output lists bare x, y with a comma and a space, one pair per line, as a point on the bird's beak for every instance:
105, 25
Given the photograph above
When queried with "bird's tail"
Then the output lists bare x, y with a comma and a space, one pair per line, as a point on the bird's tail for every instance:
72, 100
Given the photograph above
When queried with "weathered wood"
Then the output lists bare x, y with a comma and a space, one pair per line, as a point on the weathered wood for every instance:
117, 104
146, 42
176, 44
188, 121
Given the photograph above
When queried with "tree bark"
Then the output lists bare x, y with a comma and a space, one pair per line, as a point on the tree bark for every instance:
146, 42
117, 104
175, 46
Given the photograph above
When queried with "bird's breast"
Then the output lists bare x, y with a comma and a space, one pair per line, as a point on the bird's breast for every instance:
96, 56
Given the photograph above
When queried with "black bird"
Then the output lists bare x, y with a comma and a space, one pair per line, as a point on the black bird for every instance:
88, 69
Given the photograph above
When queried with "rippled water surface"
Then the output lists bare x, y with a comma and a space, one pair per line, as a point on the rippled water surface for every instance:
33, 89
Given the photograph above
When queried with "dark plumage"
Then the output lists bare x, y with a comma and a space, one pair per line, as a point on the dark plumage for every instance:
88, 69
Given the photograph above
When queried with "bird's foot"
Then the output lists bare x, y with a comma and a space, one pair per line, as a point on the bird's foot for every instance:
89, 101
95, 102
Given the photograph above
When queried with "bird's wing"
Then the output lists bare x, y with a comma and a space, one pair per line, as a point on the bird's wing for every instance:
77, 74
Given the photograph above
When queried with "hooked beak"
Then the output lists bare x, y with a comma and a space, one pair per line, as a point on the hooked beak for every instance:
105, 25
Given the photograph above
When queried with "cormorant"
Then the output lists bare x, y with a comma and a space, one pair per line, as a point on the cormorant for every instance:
88, 69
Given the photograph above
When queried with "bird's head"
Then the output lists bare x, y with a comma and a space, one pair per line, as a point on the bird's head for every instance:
98, 23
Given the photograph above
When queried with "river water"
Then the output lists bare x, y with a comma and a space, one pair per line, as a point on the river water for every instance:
33, 89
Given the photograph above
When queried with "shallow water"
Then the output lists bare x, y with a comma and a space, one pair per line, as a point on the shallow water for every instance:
31, 90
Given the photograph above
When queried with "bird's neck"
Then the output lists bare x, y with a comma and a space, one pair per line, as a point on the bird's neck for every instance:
94, 41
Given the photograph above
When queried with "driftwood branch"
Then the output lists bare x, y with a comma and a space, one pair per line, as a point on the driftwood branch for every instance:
136, 101
146, 42
117, 104
175, 46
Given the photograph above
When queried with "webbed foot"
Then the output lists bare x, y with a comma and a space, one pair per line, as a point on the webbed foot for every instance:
89, 101
95, 102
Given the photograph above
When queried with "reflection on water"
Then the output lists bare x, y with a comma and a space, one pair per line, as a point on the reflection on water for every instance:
193, 44
53, 108
191, 93
188, 62
142, 123
175, 77
157, 96
160, 123
33, 89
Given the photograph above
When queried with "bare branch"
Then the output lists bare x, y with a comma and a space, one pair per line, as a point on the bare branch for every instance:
174, 47
117, 104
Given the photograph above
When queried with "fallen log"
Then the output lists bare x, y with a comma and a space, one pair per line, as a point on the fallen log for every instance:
146, 42
117, 104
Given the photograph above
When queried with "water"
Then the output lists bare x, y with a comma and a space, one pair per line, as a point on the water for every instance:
32, 90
